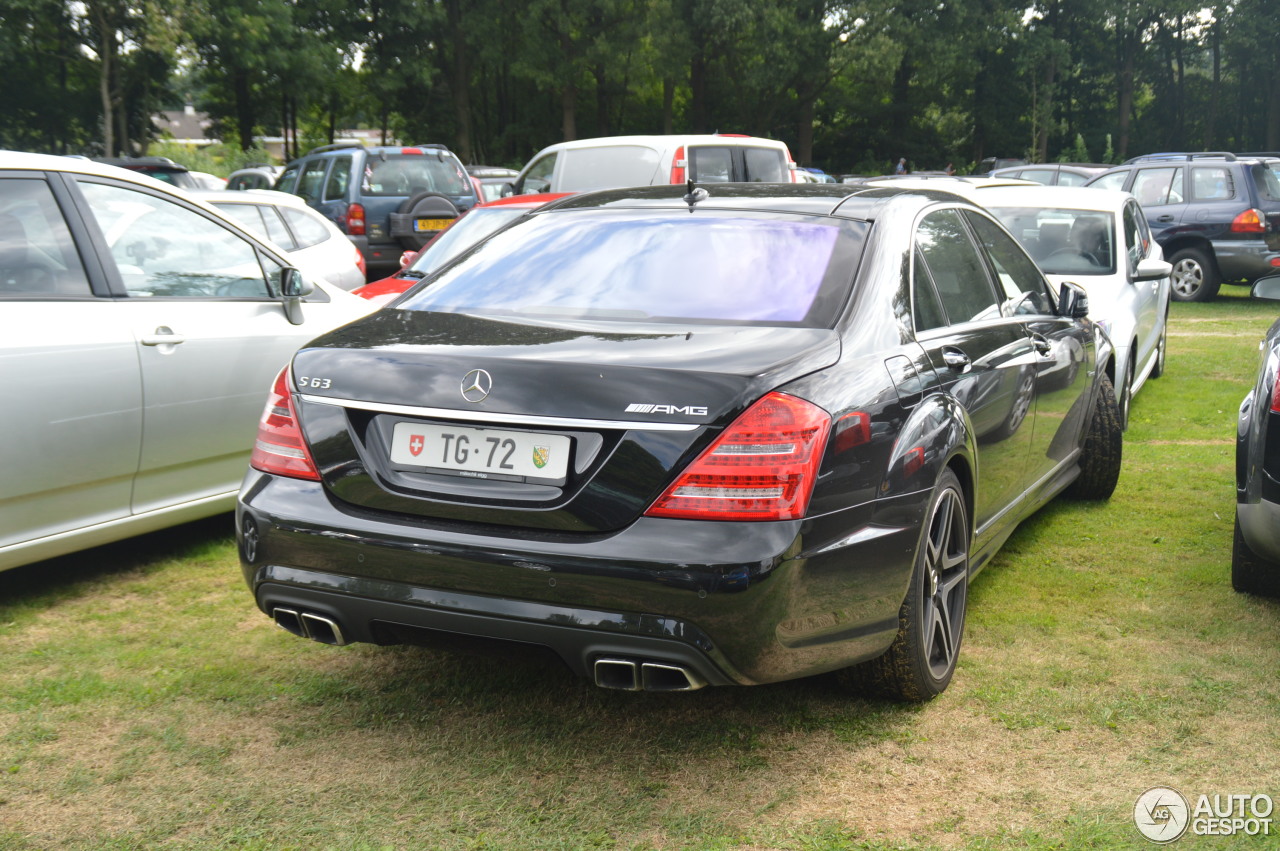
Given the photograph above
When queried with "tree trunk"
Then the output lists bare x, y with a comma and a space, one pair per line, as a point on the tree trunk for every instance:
668, 103
244, 108
698, 85
1044, 111
106, 51
804, 134
1124, 99
1215, 90
569, 111
460, 80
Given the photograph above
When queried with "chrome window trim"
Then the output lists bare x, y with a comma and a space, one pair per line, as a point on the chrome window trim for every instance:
493, 417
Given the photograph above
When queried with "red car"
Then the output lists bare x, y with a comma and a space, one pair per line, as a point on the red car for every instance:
466, 231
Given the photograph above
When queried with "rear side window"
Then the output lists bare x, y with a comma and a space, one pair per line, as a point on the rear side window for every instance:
1114, 180
585, 169
1267, 180
411, 174
312, 179
1212, 183
306, 230
1070, 178
1039, 175
956, 268
654, 268
765, 165
38, 258
339, 177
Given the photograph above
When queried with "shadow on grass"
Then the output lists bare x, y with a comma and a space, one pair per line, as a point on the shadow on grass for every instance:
70, 575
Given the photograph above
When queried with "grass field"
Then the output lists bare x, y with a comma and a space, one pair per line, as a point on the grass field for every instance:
145, 702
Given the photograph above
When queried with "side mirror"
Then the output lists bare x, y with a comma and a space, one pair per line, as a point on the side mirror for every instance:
508, 190
407, 256
1268, 288
294, 288
1073, 301
1152, 269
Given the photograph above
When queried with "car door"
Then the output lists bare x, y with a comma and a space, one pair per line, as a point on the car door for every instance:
983, 358
1062, 356
69, 375
1159, 191
200, 301
1150, 298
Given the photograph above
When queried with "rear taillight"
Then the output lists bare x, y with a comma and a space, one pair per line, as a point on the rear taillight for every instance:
280, 448
1250, 221
360, 264
354, 220
761, 468
678, 164
1275, 395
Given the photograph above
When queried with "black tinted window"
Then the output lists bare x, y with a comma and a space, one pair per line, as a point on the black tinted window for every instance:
956, 268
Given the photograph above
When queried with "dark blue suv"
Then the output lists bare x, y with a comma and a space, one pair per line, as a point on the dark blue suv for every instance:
1216, 215
386, 199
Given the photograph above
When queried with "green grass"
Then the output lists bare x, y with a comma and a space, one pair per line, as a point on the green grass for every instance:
145, 703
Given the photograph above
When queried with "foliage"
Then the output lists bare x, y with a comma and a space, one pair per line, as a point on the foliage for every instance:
849, 84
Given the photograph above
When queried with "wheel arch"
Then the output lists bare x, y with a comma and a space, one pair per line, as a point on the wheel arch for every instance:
937, 435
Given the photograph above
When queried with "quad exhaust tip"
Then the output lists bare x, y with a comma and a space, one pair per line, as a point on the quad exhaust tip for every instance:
309, 625
630, 675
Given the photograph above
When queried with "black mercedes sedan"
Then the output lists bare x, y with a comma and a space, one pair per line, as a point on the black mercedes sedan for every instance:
685, 436
1255, 553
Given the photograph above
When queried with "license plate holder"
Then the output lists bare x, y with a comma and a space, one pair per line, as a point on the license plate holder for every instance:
430, 225
480, 453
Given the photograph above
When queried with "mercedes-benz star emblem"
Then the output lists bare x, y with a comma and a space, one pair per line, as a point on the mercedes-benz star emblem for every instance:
476, 385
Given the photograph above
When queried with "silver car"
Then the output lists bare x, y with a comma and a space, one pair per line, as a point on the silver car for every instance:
314, 244
138, 331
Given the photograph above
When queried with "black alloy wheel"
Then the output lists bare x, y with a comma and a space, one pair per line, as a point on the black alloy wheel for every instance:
922, 659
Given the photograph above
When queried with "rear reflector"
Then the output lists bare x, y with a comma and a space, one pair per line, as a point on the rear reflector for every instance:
280, 448
762, 467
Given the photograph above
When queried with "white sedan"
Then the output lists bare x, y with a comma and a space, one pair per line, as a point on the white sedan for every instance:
313, 243
1100, 240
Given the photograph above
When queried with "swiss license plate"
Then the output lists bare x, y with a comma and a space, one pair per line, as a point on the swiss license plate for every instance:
421, 225
480, 452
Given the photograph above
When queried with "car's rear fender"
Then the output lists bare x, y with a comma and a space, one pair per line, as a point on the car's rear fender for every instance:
937, 434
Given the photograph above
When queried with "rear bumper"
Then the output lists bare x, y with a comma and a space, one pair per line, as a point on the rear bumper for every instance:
737, 603
1245, 259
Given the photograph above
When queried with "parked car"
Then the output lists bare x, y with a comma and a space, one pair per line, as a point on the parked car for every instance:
1054, 174
161, 168
256, 176
990, 164
616, 161
728, 436
1100, 240
1255, 554
314, 244
385, 199
476, 224
138, 328
493, 180
1216, 215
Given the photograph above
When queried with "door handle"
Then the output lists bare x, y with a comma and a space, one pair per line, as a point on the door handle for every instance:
956, 359
163, 336
1165, 218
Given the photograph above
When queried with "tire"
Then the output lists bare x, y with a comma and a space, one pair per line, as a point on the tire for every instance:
1125, 399
1195, 277
919, 664
1100, 459
1158, 369
1250, 573
1023, 396
427, 205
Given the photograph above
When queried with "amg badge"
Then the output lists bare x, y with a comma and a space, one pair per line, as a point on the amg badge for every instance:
691, 410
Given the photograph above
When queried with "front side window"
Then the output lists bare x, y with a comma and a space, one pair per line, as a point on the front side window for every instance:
38, 258
312, 179
538, 177
667, 267
956, 268
164, 250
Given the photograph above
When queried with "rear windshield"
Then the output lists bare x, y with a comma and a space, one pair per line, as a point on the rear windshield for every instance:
1267, 178
409, 174
655, 267
1064, 242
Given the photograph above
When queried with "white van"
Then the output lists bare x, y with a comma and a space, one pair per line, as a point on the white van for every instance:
616, 161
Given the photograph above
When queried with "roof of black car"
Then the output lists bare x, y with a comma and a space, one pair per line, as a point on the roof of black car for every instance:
851, 200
